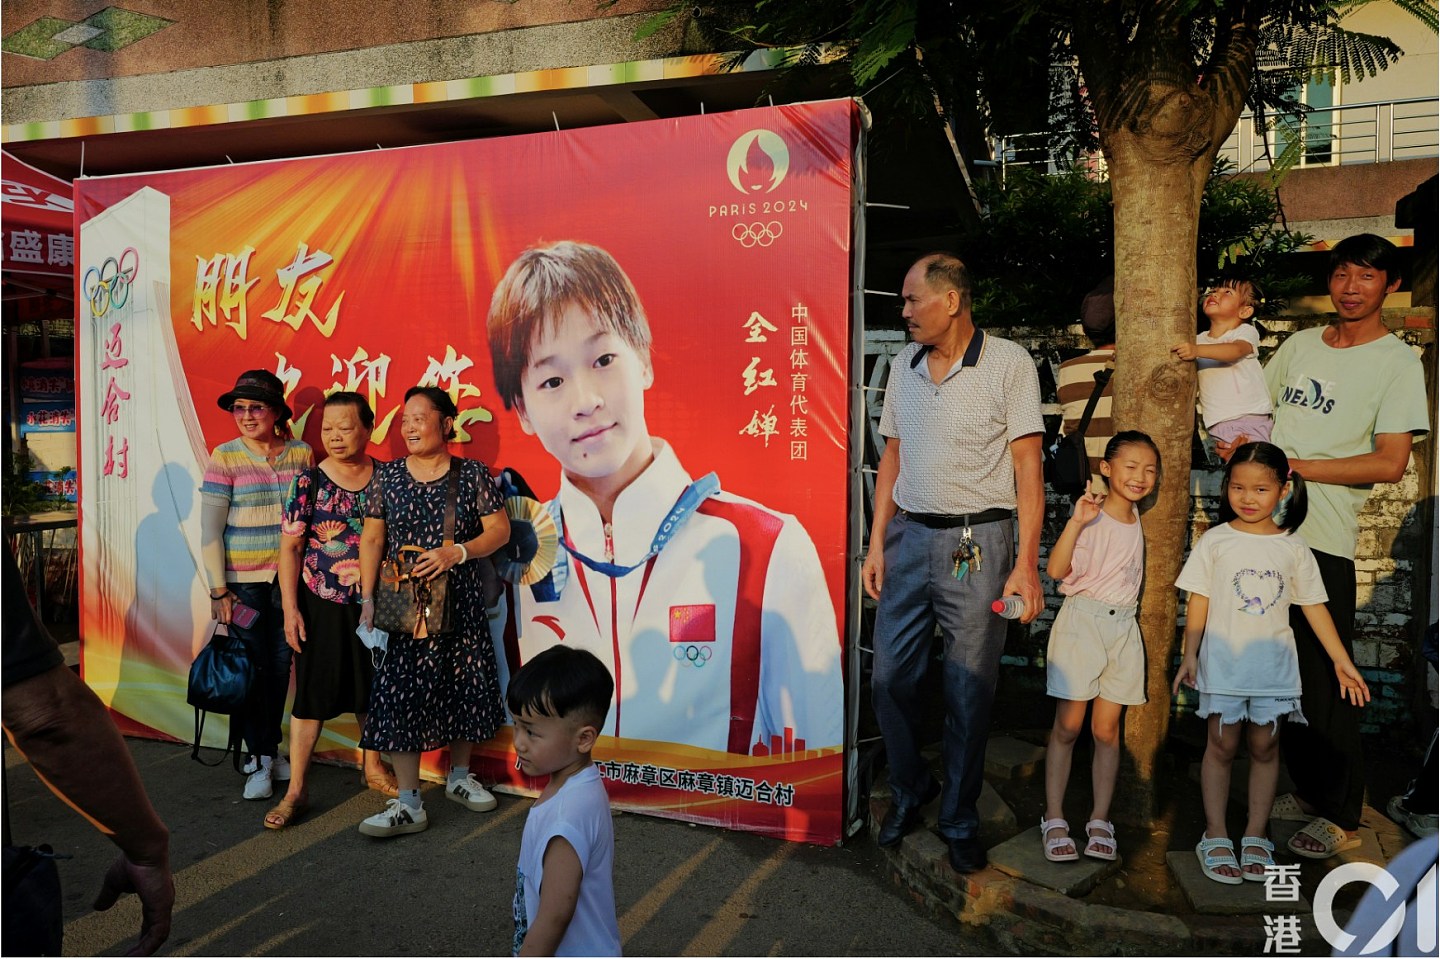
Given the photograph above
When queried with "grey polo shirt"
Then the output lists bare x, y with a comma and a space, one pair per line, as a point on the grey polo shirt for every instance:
955, 435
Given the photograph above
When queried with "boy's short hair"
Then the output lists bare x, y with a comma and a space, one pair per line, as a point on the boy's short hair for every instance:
942, 269
562, 682
1366, 249
542, 283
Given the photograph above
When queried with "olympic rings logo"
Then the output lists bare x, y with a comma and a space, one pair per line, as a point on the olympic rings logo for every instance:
693, 655
109, 284
757, 234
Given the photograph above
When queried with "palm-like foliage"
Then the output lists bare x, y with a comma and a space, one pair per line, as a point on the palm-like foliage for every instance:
910, 56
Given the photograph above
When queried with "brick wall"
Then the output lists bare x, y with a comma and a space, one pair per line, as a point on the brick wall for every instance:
1394, 559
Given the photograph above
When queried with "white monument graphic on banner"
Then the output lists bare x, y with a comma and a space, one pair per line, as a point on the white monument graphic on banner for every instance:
144, 459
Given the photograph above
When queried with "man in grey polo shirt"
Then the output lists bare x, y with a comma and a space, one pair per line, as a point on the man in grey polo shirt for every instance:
962, 457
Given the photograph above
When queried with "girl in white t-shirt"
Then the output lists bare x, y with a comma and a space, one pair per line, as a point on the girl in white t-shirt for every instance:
1234, 401
1096, 658
1243, 576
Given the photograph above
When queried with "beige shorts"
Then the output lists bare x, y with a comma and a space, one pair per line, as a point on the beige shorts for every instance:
1096, 651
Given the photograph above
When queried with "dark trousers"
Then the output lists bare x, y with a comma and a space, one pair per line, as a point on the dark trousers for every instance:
264, 640
1325, 758
918, 591
1420, 798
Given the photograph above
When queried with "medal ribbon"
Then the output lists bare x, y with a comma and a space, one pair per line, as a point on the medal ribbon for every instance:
550, 588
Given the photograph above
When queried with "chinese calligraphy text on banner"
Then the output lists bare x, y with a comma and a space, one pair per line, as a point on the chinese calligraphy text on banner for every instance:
37, 210
374, 272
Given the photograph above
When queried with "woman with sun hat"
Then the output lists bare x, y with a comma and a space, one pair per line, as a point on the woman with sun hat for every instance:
241, 495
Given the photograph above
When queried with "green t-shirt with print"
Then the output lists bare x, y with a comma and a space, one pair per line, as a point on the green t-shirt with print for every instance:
1330, 403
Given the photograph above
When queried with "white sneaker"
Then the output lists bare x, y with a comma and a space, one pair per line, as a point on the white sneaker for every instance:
469, 793
397, 819
279, 767
258, 784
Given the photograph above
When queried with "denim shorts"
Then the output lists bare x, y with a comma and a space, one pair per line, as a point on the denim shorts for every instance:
1260, 710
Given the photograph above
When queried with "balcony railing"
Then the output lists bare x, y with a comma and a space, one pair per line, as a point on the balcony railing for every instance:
1333, 136
1349, 133
1034, 150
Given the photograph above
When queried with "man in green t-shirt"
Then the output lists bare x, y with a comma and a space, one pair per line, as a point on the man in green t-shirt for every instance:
1349, 400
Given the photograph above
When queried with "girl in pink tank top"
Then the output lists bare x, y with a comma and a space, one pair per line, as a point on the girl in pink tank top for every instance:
1096, 654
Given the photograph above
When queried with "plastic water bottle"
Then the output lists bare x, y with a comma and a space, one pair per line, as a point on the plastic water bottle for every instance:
1010, 607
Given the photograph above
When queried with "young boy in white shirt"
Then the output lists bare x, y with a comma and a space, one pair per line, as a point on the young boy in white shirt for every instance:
1234, 400
565, 879
710, 610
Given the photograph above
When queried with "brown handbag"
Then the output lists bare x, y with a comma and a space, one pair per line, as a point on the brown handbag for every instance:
402, 600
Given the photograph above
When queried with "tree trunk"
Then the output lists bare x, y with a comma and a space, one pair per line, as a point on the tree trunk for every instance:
1161, 118
1157, 200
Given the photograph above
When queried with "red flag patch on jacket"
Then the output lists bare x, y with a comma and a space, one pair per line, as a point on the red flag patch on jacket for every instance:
692, 624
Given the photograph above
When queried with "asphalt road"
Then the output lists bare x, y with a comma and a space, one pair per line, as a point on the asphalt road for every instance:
319, 888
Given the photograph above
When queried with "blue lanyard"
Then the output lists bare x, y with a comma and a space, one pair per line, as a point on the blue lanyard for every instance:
549, 589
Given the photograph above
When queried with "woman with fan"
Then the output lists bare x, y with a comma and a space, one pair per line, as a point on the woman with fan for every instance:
440, 689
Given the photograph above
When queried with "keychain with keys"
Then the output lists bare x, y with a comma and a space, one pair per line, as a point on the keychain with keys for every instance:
961, 556
966, 555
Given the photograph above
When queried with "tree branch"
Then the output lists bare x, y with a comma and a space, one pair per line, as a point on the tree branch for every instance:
1099, 43
1228, 71
1148, 72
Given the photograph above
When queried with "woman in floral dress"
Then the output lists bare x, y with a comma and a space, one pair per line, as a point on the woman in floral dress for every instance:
442, 690
320, 544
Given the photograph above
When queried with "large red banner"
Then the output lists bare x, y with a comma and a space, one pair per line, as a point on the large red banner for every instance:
375, 272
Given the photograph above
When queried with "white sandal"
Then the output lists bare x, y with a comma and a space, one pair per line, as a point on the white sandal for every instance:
1101, 847
1052, 844
1265, 860
1214, 853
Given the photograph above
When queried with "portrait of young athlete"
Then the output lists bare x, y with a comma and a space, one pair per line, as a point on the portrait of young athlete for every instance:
710, 610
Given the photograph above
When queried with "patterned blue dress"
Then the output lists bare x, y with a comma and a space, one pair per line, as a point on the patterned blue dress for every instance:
430, 692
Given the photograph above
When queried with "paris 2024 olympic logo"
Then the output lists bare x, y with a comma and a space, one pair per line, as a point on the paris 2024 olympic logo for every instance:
756, 165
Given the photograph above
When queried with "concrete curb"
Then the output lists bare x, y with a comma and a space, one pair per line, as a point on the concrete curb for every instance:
1025, 918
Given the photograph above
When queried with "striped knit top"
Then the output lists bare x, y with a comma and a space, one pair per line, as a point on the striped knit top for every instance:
243, 495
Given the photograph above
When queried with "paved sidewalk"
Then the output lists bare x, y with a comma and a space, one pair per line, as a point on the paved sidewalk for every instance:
322, 889
1153, 901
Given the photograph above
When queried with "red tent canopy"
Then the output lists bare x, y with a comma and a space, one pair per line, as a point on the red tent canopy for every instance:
37, 222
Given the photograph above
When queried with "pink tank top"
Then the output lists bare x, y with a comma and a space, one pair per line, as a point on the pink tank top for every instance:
1109, 561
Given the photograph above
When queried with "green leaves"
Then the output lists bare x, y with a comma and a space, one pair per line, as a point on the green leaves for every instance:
1240, 224
1316, 49
886, 30
1426, 11
978, 57
1046, 240
657, 22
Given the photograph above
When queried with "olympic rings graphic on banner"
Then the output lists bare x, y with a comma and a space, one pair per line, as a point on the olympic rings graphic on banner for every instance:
694, 655
111, 282
762, 234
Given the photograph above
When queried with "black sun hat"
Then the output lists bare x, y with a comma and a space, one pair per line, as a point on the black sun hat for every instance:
259, 385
